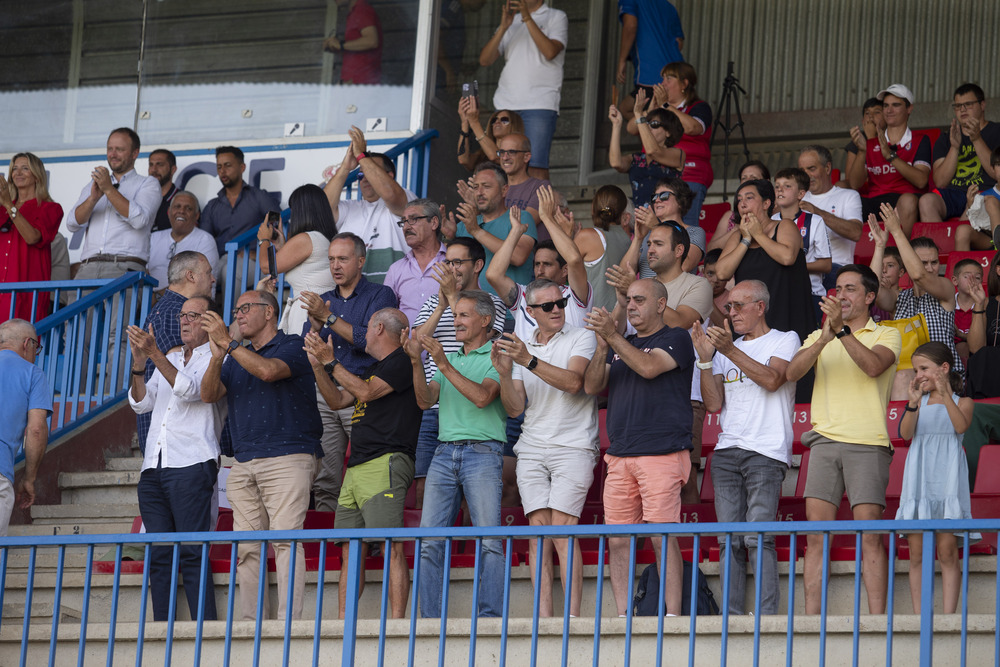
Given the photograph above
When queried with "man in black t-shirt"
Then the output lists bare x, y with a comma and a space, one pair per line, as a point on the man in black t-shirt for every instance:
384, 431
961, 156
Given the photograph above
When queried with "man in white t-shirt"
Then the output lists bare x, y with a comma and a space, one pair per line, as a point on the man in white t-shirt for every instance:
840, 208
532, 38
182, 235
747, 382
376, 215
558, 447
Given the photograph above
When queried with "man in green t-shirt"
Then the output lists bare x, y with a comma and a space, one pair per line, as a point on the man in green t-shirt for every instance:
469, 458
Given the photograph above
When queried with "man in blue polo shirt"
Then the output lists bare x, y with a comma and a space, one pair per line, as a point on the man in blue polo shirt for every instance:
25, 404
469, 458
343, 315
276, 430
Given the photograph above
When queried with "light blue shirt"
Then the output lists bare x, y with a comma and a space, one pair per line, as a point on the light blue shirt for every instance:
24, 388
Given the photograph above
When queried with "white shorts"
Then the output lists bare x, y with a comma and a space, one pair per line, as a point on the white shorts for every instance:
6, 504
555, 478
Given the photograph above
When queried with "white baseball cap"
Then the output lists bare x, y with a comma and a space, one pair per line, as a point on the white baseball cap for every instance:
897, 89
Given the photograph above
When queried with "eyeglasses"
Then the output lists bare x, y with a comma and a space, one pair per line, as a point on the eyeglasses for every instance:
455, 262
38, 343
502, 119
655, 124
191, 317
736, 306
402, 221
661, 196
549, 305
961, 106
502, 152
245, 308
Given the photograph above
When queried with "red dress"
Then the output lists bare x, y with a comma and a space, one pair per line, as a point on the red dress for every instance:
20, 262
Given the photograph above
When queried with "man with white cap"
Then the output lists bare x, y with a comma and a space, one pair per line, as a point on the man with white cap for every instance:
898, 163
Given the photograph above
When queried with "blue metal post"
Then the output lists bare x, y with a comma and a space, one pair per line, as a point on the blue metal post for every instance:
351, 603
927, 601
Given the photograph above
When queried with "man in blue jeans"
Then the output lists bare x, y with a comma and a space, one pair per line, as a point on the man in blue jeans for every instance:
469, 456
746, 380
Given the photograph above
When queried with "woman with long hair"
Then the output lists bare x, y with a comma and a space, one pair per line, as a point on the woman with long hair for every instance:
29, 220
476, 144
303, 258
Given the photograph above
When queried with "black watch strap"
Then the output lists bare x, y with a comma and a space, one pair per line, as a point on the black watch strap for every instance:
533, 363
233, 344
846, 331
328, 367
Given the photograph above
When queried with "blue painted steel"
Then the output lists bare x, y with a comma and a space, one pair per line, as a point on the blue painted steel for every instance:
28, 594
354, 565
965, 598
628, 600
203, 575
822, 613
445, 586
320, 585
477, 574
758, 583
142, 607
890, 603
261, 592
3, 578
693, 610
791, 599
996, 613
661, 595
415, 604
536, 601
857, 599
230, 603
116, 587
85, 612
57, 600
567, 597
726, 575
387, 561
289, 604
508, 557
927, 600
175, 555
598, 599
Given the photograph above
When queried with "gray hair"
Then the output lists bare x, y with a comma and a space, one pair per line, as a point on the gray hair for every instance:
393, 320
822, 151
13, 331
758, 291
182, 262
428, 207
359, 245
266, 297
540, 284
483, 303
185, 193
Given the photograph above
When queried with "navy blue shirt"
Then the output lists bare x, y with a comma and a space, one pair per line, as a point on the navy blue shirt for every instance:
167, 331
225, 222
651, 417
367, 299
271, 419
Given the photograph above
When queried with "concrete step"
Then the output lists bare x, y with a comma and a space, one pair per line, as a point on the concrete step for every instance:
72, 528
110, 487
82, 514
124, 463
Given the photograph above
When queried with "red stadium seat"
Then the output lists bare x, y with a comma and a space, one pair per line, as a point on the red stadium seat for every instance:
707, 488
710, 431
864, 250
942, 233
711, 215
895, 486
984, 257
988, 471
801, 423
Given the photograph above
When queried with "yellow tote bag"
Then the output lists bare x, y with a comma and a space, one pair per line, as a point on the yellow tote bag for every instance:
914, 333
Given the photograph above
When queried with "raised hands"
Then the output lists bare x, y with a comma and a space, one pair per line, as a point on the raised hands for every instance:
411, 346
702, 345
218, 333
319, 310
615, 116
513, 348
721, 338
142, 343
620, 278
640, 102
600, 322
448, 283
645, 220
502, 362
890, 218
832, 308
914, 390
319, 352
879, 235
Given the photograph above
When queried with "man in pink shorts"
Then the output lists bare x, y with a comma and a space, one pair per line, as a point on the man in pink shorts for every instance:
648, 373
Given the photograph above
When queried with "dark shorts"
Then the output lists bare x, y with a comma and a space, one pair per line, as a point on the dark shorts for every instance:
870, 205
955, 200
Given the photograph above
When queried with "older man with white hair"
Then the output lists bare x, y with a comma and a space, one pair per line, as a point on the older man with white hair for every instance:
183, 234
25, 404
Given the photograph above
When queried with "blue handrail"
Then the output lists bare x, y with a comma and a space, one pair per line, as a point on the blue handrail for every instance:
415, 173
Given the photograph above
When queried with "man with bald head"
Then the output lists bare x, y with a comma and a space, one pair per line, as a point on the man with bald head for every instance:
648, 373
181, 457
183, 234
25, 404
514, 154
746, 381
384, 430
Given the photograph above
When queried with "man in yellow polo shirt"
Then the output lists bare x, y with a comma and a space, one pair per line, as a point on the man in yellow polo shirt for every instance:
855, 362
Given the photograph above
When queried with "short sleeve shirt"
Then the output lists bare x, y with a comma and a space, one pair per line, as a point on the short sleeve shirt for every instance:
969, 170
391, 423
883, 179
500, 227
24, 388
459, 418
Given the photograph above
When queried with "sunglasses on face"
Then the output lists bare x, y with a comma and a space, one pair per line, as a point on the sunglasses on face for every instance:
661, 196
549, 305
502, 119
503, 152
655, 124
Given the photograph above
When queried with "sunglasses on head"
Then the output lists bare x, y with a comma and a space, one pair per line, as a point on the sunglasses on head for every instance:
549, 305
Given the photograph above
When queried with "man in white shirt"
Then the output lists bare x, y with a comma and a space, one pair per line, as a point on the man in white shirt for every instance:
840, 208
542, 377
183, 234
375, 216
746, 381
181, 462
116, 208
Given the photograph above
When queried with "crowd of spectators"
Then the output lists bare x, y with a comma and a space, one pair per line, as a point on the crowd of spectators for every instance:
466, 352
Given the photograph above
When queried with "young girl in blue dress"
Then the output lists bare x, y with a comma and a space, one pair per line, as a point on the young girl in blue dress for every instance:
936, 475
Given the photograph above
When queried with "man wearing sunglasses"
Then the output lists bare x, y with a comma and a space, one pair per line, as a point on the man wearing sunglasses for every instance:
25, 405
514, 154
375, 216
542, 377
180, 463
746, 381
271, 394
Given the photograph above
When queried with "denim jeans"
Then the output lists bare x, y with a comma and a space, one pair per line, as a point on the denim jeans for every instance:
472, 468
692, 219
539, 127
747, 488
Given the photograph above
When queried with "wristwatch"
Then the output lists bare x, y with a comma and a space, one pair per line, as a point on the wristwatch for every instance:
846, 331
13, 212
533, 363
641, 120
331, 320
892, 156
746, 242
328, 367
233, 344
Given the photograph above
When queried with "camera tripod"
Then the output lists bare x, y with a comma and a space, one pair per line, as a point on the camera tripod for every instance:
730, 98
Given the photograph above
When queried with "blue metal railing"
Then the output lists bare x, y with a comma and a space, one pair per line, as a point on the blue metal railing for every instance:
699, 533
414, 173
85, 352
